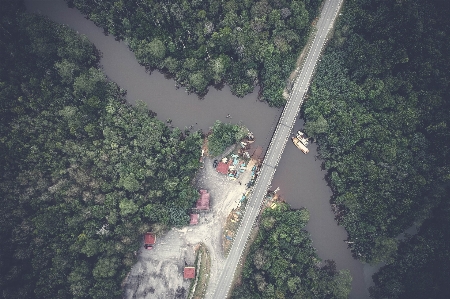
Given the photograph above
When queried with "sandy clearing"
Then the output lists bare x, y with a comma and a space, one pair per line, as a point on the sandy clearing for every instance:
158, 273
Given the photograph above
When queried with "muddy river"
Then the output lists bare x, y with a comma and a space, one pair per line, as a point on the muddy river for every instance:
299, 176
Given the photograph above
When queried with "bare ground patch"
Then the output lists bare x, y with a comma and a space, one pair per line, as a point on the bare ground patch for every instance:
231, 227
158, 273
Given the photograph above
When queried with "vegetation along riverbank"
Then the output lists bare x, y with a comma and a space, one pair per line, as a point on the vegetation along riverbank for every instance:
84, 174
199, 43
282, 263
379, 109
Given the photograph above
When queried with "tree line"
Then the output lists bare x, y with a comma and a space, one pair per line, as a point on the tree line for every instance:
379, 110
83, 174
420, 268
201, 43
282, 263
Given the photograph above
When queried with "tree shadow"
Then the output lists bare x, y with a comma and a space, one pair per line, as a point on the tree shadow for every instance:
219, 86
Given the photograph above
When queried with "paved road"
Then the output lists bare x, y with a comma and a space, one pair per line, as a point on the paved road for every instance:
277, 145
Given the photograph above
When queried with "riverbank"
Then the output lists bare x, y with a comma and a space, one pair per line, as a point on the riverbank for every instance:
160, 94
299, 176
302, 183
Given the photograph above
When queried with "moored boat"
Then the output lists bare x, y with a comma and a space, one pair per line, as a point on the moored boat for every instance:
300, 145
302, 137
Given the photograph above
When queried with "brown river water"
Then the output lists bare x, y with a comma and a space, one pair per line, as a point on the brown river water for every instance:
299, 176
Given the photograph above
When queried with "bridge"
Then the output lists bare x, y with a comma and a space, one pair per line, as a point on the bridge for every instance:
281, 135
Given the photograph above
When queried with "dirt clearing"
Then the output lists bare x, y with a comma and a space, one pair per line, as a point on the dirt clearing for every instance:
158, 273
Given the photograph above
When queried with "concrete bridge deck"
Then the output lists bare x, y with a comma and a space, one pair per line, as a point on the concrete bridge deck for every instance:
281, 135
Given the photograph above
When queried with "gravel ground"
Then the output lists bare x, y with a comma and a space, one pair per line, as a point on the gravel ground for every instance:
158, 273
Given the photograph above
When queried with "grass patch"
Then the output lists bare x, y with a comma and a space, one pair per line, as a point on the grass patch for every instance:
232, 225
202, 269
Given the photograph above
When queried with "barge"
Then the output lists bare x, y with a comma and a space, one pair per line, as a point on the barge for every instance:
300, 145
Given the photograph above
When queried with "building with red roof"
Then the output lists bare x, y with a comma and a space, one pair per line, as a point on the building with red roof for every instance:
149, 240
222, 167
189, 272
194, 219
203, 200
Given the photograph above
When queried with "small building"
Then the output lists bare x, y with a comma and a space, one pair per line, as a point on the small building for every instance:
189, 272
149, 240
203, 200
222, 167
194, 219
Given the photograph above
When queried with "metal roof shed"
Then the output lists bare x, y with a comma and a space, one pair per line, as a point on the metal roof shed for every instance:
194, 219
189, 272
149, 240
203, 200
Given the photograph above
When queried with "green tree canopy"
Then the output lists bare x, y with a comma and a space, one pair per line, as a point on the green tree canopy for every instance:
421, 269
379, 109
83, 174
224, 135
241, 43
282, 263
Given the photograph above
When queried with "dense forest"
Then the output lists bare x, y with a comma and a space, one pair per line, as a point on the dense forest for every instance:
83, 174
240, 43
282, 263
379, 109
421, 268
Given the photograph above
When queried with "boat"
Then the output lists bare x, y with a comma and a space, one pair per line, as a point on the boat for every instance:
302, 137
300, 145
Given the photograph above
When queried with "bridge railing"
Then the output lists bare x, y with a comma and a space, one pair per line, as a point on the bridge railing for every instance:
291, 98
